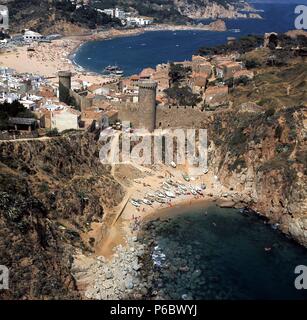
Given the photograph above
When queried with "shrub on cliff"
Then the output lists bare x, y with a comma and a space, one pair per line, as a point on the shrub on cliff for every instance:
14, 109
52, 133
183, 96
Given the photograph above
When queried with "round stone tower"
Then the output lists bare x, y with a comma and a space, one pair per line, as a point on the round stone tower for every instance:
147, 104
64, 86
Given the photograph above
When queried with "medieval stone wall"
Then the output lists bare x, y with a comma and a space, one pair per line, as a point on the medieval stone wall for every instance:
181, 117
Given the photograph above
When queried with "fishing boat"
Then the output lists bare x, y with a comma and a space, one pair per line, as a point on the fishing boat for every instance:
146, 201
160, 195
173, 164
151, 195
182, 187
134, 203
113, 70
170, 194
160, 200
193, 192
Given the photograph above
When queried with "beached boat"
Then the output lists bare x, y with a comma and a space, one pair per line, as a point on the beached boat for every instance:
160, 200
146, 201
160, 195
203, 186
173, 164
182, 187
165, 188
134, 203
170, 194
193, 192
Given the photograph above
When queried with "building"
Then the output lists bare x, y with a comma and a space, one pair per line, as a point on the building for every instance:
142, 113
147, 73
114, 13
24, 124
30, 36
64, 119
139, 21
54, 115
227, 69
244, 73
216, 96
161, 76
4, 17
198, 82
203, 67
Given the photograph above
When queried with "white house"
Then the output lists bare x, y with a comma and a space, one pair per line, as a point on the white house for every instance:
64, 119
30, 36
139, 21
4, 17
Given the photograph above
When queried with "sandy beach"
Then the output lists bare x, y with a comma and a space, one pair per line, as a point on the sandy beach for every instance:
118, 251
148, 181
46, 59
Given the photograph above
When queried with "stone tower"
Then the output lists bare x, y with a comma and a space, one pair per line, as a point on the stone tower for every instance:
64, 86
147, 104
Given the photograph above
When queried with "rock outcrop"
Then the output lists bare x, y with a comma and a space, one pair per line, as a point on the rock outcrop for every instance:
264, 155
50, 192
214, 10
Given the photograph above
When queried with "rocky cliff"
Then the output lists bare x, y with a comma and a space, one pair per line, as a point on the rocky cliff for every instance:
205, 9
265, 157
63, 16
50, 192
52, 189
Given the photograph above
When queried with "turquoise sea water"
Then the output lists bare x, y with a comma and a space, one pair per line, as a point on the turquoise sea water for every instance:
134, 53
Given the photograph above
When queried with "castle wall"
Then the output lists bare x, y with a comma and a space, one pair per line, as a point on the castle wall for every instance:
81, 102
181, 117
176, 117
129, 112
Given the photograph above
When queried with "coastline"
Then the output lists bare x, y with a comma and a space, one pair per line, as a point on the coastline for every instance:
119, 246
48, 58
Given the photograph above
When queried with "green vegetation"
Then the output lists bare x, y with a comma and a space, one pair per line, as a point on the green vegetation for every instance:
44, 187
160, 10
244, 44
178, 73
183, 96
43, 14
52, 132
14, 109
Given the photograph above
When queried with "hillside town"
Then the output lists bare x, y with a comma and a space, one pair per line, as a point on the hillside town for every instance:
127, 18
205, 78
206, 83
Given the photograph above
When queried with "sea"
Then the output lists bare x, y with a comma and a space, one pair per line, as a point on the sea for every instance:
205, 252
137, 52
208, 252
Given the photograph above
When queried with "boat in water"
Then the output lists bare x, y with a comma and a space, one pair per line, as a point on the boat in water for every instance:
113, 70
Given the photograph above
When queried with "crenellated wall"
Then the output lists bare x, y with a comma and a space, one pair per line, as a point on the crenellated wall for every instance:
181, 116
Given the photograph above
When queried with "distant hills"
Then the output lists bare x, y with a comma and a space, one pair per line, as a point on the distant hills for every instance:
63, 16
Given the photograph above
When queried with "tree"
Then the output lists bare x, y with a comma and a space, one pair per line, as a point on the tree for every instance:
178, 72
183, 96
